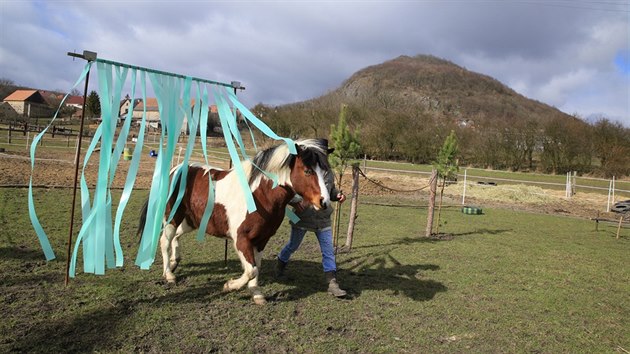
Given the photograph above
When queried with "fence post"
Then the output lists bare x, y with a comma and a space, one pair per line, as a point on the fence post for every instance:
464, 192
365, 164
28, 135
608, 200
612, 200
432, 192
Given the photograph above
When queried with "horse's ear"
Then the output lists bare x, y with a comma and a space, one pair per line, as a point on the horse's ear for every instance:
298, 148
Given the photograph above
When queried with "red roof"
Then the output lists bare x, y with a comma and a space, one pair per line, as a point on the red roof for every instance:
75, 100
20, 95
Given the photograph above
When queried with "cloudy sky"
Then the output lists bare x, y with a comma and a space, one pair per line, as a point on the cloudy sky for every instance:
572, 54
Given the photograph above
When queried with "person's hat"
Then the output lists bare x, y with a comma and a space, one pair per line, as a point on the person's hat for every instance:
324, 144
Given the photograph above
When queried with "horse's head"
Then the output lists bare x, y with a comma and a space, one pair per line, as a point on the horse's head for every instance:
307, 175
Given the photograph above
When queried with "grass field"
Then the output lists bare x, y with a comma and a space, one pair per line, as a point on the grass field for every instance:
504, 281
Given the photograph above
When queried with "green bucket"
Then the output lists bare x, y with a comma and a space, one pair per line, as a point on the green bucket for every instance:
127, 154
472, 210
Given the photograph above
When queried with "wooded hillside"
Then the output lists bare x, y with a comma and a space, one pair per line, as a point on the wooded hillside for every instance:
404, 108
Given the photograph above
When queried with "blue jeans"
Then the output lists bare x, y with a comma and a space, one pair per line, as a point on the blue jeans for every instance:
325, 244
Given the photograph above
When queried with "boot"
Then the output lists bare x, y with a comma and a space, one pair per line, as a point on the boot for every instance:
333, 286
280, 267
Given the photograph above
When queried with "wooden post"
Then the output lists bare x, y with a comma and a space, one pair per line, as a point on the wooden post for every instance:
335, 223
365, 164
597, 222
77, 156
619, 227
432, 192
353, 206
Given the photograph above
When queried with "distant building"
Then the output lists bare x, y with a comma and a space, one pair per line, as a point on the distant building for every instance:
7, 111
153, 111
126, 105
74, 101
29, 103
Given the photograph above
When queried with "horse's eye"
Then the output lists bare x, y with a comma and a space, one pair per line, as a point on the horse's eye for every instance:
308, 172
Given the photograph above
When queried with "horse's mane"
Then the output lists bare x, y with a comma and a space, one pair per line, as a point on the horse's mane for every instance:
278, 160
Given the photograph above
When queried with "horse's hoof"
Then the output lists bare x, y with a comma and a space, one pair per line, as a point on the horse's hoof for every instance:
170, 279
173, 264
259, 300
226, 286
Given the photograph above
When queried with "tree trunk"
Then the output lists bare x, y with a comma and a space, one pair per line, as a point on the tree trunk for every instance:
433, 182
335, 225
437, 227
353, 207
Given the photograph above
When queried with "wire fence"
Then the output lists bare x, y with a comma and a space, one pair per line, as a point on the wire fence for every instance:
609, 189
613, 189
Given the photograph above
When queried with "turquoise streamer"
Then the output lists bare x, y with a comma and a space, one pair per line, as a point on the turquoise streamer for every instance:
133, 168
39, 230
201, 233
168, 92
182, 171
100, 247
259, 123
224, 113
100, 233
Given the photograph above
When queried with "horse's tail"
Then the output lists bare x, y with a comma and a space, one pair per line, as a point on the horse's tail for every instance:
143, 219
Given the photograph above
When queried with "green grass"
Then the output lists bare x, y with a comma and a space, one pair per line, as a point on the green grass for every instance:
505, 282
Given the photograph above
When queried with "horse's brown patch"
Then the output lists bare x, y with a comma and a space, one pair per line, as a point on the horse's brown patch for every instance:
260, 225
194, 202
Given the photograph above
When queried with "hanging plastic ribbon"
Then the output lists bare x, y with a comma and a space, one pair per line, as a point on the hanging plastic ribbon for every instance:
39, 230
99, 235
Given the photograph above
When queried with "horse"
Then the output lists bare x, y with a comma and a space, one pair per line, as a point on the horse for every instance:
301, 174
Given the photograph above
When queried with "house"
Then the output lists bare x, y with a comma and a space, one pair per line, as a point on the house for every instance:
126, 104
51, 97
7, 111
152, 109
29, 103
74, 101
153, 114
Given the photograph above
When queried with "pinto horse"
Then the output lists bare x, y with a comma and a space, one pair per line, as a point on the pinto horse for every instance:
302, 174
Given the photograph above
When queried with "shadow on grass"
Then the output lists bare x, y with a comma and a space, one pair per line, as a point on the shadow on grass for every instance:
21, 253
95, 323
405, 241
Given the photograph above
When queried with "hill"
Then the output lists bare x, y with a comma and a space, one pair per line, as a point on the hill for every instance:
440, 87
405, 107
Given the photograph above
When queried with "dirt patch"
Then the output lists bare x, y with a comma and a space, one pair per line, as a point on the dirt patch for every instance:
56, 169
414, 189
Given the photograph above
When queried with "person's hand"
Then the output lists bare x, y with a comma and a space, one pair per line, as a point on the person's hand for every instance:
300, 206
341, 197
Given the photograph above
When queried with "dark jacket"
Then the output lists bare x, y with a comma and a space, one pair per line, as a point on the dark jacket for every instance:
311, 219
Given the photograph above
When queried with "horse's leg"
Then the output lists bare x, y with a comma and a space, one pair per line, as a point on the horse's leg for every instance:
245, 252
252, 285
175, 257
165, 246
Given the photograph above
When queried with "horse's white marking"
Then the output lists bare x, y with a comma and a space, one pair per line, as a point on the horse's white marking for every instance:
165, 247
322, 187
249, 272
